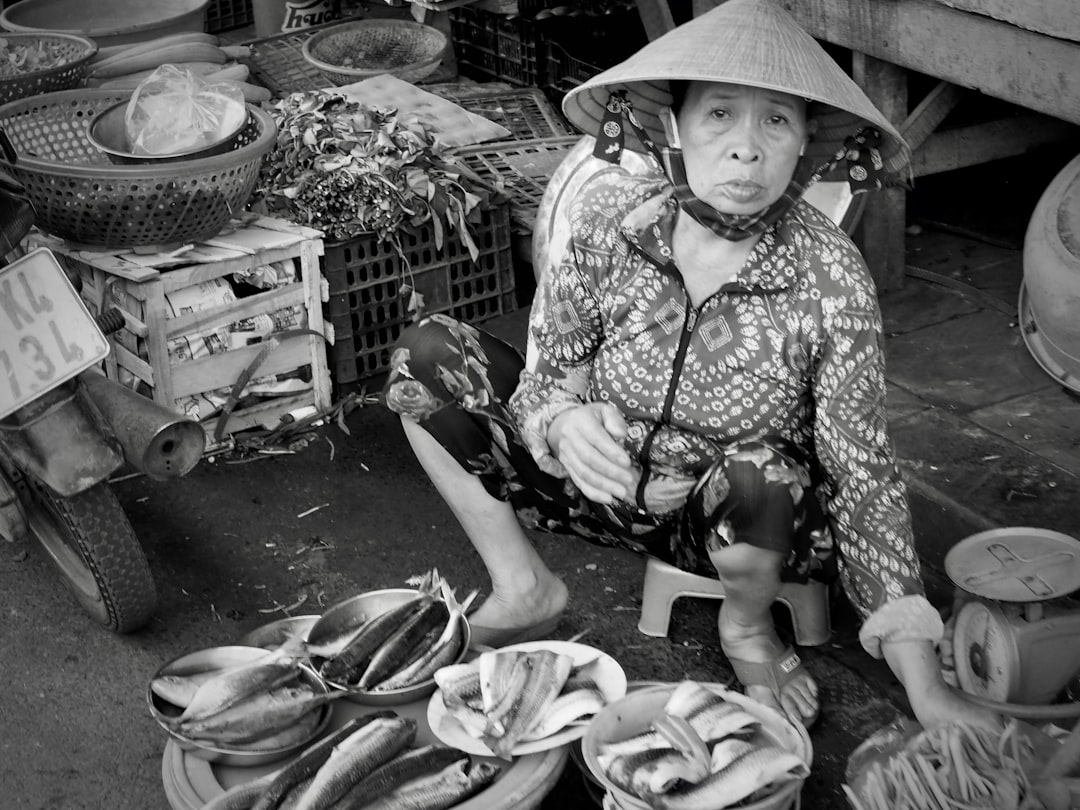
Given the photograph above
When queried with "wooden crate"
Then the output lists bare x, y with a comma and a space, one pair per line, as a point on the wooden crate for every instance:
140, 285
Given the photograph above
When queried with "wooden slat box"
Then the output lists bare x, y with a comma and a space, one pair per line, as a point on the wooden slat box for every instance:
139, 283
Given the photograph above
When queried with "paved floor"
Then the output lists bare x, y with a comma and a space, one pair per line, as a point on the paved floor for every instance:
985, 437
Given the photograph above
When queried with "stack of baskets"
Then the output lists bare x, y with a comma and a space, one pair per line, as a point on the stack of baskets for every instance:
81, 196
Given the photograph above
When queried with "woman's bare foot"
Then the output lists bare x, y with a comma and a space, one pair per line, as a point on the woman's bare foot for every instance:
515, 608
940, 705
782, 682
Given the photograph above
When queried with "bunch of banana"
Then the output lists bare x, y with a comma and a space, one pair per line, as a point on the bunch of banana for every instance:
259, 705
367, 763
509, 696
123, 67
399, 647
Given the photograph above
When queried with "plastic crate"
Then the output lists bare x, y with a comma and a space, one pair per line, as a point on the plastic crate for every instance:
563, 71
278, 63
526, 112
225, 15
369, 306
525, 168
496, 47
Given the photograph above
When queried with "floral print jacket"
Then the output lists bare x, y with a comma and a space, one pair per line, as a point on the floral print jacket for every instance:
791, 347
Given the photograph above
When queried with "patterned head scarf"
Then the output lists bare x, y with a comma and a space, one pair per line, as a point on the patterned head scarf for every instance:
749, 42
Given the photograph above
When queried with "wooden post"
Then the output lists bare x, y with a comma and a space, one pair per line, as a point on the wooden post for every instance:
881, 234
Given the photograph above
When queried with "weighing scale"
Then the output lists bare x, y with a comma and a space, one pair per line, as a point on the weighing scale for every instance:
1017, 633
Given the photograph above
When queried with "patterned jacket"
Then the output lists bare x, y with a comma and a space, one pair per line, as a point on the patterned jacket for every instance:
791, 347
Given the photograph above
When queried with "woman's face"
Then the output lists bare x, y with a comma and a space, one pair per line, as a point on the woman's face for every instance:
740, 143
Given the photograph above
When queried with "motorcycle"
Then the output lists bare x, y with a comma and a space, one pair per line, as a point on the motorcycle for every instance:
65, 428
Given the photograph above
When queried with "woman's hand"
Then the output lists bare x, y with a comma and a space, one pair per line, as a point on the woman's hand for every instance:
587, 441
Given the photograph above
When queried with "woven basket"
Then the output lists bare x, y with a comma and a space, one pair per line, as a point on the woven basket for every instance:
82, 197
75, 51
354, 51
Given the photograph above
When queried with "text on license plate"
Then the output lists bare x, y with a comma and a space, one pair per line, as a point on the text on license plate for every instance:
47, 335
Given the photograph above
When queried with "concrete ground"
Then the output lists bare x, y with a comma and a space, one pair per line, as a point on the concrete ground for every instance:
985, 437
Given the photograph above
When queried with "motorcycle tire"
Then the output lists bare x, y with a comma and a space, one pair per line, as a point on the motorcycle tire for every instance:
89, 539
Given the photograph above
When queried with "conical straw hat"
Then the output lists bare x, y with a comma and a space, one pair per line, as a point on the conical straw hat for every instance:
750, 42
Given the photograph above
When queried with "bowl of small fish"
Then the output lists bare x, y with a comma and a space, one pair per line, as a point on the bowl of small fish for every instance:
687, 745
382, 648
239, 705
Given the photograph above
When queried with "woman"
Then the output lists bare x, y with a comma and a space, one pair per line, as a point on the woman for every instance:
705, 381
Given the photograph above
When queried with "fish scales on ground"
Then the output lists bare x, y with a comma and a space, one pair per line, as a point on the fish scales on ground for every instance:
406, 643
402, 769
440, 790
355, 757
309, 761
257, 717
232, 685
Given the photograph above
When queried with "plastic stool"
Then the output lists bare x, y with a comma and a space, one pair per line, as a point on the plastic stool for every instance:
809, 603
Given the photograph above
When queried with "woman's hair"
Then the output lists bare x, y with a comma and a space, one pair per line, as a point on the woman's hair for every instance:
679, 88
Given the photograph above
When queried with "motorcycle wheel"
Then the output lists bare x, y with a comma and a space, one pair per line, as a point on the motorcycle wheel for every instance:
89, 539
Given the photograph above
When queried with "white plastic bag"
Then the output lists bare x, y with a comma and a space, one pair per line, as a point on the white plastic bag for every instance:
175, 111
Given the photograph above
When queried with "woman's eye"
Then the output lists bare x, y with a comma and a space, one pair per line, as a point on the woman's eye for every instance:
778, 120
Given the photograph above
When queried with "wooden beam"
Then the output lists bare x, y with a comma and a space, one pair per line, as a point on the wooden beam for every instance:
656, 17
930, 112
971, 50
959, 147
881, 235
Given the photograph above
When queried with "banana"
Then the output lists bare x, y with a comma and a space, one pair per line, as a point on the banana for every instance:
254, 93
124, 64
234, 72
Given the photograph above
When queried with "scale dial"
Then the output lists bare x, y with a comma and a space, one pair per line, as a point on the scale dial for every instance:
984, 650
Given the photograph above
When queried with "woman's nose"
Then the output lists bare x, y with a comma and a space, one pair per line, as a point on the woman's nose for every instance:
745, 142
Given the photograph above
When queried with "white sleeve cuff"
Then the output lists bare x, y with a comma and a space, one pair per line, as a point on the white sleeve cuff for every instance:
909, 618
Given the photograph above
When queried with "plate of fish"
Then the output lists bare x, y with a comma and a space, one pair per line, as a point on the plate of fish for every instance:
240, 705
524, 698
689, 744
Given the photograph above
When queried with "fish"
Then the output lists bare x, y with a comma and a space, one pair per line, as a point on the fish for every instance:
639, 742
460, 685
652, 771
346, 666
442, 789
547, 672
180, 689
257, 717
688, 698
295, 793
355, 757
412, 639
330, 644
727, 751
293, 734
234, 684
567, 708
726, 725
708, 713
764, 766
241, 796
502, 676
442, 650
309, 761
411, 765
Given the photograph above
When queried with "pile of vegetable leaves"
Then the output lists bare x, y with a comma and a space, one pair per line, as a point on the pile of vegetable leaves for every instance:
349, 169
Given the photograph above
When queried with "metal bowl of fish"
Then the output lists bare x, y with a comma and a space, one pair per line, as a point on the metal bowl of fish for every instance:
381, 648
239, 705
725, 749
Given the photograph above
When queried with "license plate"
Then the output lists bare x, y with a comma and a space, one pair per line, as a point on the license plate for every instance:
47, 336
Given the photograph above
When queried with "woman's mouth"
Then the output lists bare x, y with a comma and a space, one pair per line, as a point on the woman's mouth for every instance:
741, 190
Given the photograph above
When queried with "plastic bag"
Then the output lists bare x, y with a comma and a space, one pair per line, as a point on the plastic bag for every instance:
175, 111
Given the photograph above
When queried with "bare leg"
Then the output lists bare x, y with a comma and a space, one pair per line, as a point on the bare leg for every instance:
524, 591
751, 578
934, 703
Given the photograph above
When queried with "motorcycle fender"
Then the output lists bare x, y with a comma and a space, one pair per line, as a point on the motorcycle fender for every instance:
60, 440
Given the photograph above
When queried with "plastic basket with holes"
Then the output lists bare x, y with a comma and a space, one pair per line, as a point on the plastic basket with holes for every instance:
524, 167
66, 55
353, 51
